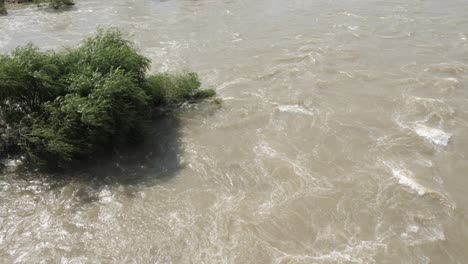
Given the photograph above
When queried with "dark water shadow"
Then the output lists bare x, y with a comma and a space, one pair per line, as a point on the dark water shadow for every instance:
66, 8
154, 161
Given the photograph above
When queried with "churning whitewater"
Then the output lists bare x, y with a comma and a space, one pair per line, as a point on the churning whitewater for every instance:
342, 138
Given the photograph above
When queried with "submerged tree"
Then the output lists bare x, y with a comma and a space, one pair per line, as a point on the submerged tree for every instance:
56, 3
52, 3
3, 10
56, 107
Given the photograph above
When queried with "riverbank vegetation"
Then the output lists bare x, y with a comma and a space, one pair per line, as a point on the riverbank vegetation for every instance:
59, 107
3, 10
56, 4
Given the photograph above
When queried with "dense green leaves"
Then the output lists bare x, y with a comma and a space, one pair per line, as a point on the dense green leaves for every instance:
59, 3
106, 52
55, 3
56, 107
3, 10
176, 88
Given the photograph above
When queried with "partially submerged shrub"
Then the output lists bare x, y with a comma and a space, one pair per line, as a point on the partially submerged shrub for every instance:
3, 10
56, 107
56, 3
217, 101
105, 52
171, 89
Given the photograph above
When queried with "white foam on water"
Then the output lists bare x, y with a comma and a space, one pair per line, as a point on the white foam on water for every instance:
462, 36
354, 252
295, 109
12, 164
451, 79
309, 181
412, 228
236, 37
346, 73
424, 100
434, 135
231, 83
425, 163
230, 98
351, 15
406, 178
430, 107
361, 252
415, 235
105, 196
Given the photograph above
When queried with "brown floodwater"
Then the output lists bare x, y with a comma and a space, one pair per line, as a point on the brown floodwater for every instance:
342, 138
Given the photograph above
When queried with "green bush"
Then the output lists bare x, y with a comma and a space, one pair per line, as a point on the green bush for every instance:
3, 10
58, 3
173, 89
55, 3
57, 107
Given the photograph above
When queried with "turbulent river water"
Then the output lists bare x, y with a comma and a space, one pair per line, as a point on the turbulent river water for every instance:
342, 138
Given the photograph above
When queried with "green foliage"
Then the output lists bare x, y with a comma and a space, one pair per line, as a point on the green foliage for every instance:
203, 94
172, 89
56, 107
107, 51
3, 10
217, 101
56, 3
29, 78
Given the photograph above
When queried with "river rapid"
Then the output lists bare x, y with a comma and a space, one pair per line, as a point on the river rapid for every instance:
342, 138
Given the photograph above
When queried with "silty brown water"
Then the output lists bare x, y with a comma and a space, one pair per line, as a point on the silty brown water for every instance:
342, 138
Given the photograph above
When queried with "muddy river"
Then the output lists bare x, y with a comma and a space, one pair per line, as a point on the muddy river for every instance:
342, 138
